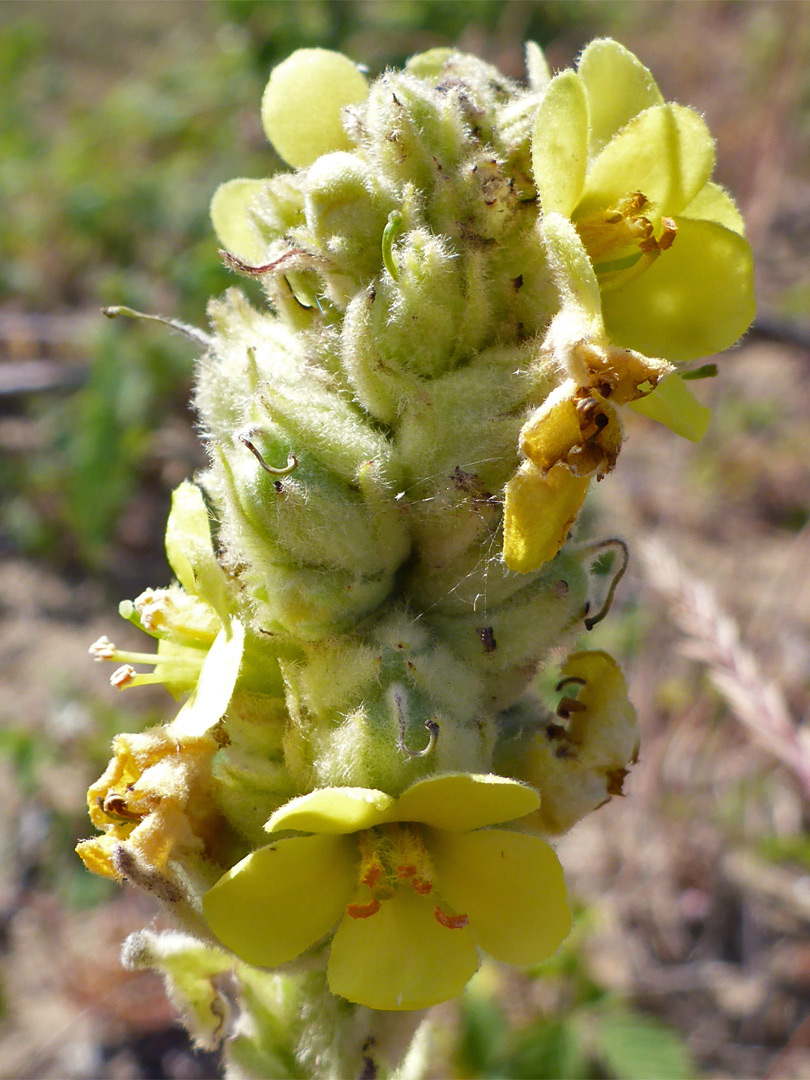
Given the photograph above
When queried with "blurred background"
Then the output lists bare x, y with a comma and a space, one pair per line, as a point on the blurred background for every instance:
691, 954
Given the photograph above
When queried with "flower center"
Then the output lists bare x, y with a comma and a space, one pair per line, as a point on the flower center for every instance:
623, 238
392, 856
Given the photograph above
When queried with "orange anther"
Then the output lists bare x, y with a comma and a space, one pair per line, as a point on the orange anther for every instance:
405, 871
363, 911
421, 886
452, 922
372, 875
668, 235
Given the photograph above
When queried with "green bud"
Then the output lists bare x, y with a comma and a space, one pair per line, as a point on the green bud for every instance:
385, 708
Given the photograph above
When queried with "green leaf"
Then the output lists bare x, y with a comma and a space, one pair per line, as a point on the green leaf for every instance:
619, 88
560, 144
636, 1047
482, 1031
549, 1051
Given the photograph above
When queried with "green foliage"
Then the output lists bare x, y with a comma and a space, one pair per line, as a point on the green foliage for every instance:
636, 1047
36, 763
587, 1034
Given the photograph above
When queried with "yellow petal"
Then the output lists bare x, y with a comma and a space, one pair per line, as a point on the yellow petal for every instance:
401, 957
552, 430
96, 854
212, 694
281, 899
190, 550
696, 299
666, 152
674, 405
510, 885
605, 729
232, 221
713, 203
619, 87
539, 510
302, 103
333, 810
560, 144
464, 801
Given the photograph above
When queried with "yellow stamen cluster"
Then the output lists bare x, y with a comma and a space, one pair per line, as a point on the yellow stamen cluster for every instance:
391, 855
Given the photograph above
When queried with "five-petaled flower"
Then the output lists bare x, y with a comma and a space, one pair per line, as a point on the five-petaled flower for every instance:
633, 173
414, 885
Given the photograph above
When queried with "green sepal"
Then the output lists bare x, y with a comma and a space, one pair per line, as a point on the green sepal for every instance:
672, 404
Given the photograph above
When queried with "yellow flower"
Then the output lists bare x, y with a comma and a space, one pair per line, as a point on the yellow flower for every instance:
633, 173
414, 885
200, 643
576, 434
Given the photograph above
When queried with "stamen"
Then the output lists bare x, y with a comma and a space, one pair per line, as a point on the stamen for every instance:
452, 922
192, 332
568, 705
431, 726
126, 675
122, 677
598, 549
667, 237
114, 805
572, 680
151, 607
103, 649
266, 268
363, 911
372, 875
392, 230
